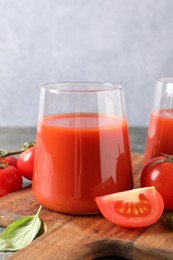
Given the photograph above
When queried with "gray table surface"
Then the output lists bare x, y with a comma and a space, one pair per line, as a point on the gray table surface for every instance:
11, 139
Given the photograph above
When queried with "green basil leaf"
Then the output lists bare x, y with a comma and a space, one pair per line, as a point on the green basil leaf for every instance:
20, 233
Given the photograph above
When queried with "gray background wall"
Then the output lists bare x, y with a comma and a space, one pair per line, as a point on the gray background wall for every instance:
117, 41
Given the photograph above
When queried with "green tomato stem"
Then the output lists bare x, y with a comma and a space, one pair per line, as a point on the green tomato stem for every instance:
25, 146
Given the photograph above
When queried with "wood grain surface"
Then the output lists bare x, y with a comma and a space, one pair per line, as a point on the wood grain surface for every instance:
87, 237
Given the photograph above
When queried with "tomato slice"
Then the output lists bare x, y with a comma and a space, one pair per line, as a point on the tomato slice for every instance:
133, 208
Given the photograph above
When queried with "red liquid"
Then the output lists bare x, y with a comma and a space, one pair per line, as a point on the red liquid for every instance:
80, 158
160, 134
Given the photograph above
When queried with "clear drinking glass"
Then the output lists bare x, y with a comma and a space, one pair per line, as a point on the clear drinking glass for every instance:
82, 146
160, 130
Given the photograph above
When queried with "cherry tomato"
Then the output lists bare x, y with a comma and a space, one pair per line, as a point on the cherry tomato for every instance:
158, 172
11, 160
25, 162
10, 180
133, 208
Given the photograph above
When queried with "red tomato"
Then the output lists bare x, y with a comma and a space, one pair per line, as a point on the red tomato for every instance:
11, 160
158, 172
25, 162
10, 180
133, 208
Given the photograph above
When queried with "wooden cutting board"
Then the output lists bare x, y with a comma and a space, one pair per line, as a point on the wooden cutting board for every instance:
87, 237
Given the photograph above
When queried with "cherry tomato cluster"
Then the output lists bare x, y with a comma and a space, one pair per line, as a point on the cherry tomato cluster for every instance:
143, 206
13, 168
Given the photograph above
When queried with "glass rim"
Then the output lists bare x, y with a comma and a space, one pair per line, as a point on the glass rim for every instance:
81, 87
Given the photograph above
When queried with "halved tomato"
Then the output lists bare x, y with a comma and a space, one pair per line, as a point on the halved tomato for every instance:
133, 208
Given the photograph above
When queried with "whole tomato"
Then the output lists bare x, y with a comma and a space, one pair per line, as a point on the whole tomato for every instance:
10, 179
11, 160
25, 162
158, 172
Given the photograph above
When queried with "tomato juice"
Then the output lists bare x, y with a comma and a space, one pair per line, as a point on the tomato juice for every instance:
79, 157
160, 134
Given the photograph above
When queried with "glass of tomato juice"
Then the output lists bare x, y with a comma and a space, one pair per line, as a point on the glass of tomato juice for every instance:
82, 146
160, 130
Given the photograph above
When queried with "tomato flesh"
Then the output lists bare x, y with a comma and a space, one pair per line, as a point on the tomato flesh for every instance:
134, 208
